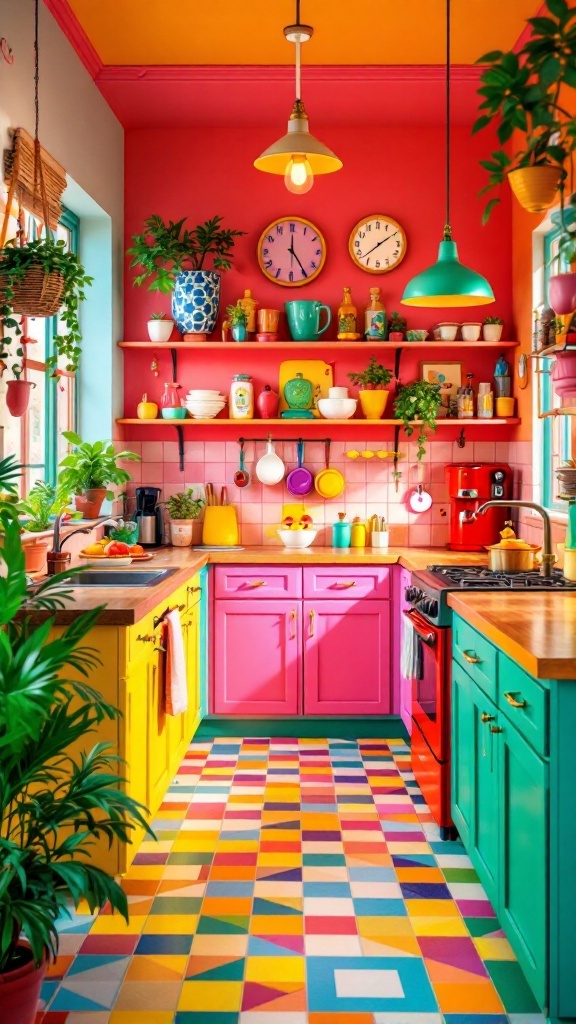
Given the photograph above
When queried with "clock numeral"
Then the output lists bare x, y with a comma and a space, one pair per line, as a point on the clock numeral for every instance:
357, 243
315, 239
367, 261
279, 229
305, 230
268, 264
291, 275
318, 252
362, 234
377, 263
313, 265
269, 238
278, 272
265, 252
377, 225
292, 228
359, 254
387, 262
368, 227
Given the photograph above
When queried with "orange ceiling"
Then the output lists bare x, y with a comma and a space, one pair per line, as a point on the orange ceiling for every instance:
356, 32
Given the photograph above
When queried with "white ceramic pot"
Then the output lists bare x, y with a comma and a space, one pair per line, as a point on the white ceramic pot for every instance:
181, 532
160, 330
448, 332
470, 332
492, 332
337, 392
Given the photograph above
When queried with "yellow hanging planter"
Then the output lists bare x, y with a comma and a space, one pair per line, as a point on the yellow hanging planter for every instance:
535, 188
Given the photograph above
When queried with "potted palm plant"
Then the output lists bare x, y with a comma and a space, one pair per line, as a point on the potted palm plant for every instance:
525, 92
420, 401
172, 259
183, 508
88, 470
372, 383
44, 501
53, 803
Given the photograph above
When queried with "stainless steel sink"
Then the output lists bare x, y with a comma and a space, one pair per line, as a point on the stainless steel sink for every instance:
121, 577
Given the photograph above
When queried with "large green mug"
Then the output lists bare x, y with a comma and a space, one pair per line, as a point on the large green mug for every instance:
304, 319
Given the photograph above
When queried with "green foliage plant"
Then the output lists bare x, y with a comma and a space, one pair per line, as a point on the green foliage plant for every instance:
419, 400
397, 322
236, 315
92, 466
52, 256
163, 250
374, 377
43, 501
158, 316
525, 92
184, 505
493, 320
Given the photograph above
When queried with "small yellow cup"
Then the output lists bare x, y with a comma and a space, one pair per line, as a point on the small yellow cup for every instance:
504, 407
569, 559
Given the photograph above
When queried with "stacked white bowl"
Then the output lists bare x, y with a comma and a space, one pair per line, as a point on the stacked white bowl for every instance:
204, 404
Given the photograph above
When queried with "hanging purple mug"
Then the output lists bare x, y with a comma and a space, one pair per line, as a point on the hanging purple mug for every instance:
300, 481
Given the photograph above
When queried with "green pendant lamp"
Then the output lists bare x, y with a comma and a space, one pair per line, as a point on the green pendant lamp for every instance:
447, 282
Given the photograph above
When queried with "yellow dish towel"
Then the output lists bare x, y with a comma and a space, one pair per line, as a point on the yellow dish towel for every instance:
175, 679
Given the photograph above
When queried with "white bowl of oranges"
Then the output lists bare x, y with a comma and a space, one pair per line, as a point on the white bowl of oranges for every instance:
113, 552
297, 533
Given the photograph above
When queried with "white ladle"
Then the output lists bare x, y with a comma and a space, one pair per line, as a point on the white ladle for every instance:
270, 469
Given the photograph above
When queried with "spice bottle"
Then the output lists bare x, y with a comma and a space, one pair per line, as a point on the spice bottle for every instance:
375, 317
485, 402
249, 305
466, 400
358, 533
347, 314
341, 532
241, 405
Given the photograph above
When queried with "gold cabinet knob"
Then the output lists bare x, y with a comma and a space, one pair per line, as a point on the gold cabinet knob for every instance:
471, 658
486, 717
515, 703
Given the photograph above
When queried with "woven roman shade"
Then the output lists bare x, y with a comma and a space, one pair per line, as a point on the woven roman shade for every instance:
21, 160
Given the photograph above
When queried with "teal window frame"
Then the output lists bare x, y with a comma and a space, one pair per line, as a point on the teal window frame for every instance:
552, 265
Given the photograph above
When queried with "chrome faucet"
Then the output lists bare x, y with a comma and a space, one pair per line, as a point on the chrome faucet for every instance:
58, 542
548, 558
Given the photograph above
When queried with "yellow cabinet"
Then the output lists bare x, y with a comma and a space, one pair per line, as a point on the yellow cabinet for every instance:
130, 677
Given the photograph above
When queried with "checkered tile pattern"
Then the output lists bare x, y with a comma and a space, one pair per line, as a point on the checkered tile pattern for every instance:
294, 881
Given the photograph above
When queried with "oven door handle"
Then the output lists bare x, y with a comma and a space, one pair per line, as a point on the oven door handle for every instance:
421, 627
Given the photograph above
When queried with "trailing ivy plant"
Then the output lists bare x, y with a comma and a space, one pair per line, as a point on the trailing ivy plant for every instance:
52, 255
164, 250
526, 92
375, 376
419, 400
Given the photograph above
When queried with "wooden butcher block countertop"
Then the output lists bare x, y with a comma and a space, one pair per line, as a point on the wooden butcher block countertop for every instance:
127, 605
538, 631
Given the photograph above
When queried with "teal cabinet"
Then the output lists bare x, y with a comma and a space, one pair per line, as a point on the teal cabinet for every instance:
514, 804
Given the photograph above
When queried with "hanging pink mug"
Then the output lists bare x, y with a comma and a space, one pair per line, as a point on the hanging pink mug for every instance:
18, 396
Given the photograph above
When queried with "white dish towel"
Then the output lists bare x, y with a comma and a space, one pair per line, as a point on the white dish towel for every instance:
175, 678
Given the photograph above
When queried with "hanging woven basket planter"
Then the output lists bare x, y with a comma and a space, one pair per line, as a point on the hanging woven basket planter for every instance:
535, 188
37, 293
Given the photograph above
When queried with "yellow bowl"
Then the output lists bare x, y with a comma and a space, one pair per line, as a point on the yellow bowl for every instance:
329, 483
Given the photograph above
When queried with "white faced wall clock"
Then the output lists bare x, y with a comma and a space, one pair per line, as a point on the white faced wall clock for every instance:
291, 251
377, 244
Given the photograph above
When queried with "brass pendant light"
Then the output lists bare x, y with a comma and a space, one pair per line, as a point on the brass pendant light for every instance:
298, 156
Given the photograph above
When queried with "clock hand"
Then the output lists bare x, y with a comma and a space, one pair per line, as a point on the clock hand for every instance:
379, 243
298, 261
291, 251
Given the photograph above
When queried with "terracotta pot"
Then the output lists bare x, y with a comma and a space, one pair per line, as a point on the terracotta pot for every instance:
35, 555
396, 336
373, 403
18, 396
562, 293
90, 502
564, 374
20, 991
535, 187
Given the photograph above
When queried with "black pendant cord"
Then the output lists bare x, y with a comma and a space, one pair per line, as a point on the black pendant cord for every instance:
36, 73
447, 229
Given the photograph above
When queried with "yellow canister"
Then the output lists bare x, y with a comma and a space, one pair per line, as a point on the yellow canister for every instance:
220, 527
358, 533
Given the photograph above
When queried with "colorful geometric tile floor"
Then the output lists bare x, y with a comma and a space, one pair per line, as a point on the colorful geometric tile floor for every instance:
295, 881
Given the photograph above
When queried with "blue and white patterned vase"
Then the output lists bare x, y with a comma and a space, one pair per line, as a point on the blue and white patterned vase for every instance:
195, 301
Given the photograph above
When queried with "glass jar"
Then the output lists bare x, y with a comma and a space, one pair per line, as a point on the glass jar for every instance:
170, 398
241, 403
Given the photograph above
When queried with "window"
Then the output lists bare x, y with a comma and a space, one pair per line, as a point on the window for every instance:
36, 438
557, 433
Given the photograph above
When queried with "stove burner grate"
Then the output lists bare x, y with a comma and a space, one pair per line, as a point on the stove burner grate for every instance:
478, 577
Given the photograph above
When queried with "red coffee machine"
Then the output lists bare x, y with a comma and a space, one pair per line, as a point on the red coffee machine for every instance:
469, 486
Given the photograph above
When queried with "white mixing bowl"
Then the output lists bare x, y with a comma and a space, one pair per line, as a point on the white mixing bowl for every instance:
297, 538
337, 408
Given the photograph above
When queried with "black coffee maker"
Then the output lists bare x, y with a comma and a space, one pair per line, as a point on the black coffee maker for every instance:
149, 517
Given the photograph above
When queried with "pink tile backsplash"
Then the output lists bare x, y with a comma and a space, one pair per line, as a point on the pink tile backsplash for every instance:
369, 483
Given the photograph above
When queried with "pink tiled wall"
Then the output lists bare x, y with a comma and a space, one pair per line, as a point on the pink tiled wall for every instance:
369, 484
531, 525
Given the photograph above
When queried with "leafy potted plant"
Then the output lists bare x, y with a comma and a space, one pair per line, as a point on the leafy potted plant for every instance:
419, 400
396, 327
372, 382
54, 802
88, 470
42, 278
237, 317
492, 328
526, 93
18, 392
160, 328
43, 502
172, 260
183, 508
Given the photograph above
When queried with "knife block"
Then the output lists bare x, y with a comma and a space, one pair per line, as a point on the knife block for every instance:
220, 527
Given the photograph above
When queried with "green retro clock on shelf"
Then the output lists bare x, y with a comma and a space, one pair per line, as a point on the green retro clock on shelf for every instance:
291, 251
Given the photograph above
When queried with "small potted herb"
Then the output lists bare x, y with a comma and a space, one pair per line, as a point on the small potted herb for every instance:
44, 502
396, 327
419, 400
172, 259
160, 328
88, 470
237, 318
18, 392
183, 508
371, 383
492, 328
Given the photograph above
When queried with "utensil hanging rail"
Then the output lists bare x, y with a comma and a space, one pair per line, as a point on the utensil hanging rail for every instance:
279, 440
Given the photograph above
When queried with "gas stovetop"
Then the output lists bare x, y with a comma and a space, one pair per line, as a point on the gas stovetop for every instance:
430, 587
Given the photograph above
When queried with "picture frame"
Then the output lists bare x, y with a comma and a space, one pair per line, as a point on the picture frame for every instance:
446, 373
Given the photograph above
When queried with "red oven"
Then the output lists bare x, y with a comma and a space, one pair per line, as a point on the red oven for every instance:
431, 717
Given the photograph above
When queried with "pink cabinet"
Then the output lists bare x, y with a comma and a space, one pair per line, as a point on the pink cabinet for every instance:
257, 656
348, 581
251, 582
347, 657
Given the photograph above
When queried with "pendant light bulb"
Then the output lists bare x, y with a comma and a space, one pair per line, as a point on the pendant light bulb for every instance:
299, 178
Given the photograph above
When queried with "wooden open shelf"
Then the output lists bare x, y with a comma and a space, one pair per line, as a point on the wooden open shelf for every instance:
312, 346
324, 424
